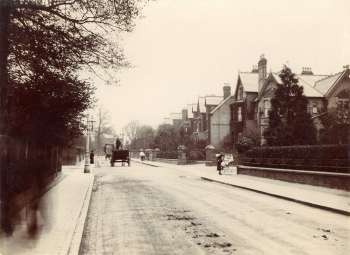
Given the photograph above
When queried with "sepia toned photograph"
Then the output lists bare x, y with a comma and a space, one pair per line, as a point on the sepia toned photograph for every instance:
174, 127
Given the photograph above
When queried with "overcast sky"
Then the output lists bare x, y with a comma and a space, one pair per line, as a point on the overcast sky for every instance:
185, 48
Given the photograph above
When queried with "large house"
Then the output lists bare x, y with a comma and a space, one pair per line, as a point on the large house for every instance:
255, 89
243, 109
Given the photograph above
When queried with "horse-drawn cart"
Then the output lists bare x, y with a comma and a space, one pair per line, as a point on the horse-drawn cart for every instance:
120, 156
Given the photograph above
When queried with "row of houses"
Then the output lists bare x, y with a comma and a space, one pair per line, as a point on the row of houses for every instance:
243, 112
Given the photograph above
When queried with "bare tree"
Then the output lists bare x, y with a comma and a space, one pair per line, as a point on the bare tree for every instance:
103, 127
130, 131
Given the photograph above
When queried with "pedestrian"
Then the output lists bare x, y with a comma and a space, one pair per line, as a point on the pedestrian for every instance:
219, 161
118, 144
142, 155
92, 155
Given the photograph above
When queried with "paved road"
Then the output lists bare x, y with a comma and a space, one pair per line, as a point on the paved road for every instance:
147, 210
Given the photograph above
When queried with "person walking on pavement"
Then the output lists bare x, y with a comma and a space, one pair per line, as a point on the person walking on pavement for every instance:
142, 155
92, 155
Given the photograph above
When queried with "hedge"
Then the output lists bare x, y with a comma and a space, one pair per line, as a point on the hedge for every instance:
332, 158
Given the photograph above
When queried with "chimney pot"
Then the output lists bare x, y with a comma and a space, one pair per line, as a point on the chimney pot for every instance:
307, 71
255, 69
262, 73
184, 114
227, 91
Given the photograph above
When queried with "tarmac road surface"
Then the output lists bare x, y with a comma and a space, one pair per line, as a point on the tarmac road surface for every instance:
147, 210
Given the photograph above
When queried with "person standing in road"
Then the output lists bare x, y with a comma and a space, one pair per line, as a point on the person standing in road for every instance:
92, 155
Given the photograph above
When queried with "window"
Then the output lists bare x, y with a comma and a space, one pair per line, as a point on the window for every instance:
239, 114
266, 108
314, 109
240, 93
343, 103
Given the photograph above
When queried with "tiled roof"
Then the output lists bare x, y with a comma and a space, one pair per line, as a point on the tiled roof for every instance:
309, 90
222, 103
323, 85
307, 81
311, 78
250, 81
213, 100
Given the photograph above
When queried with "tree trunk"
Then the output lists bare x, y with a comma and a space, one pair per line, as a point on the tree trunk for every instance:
4, 139
4, 52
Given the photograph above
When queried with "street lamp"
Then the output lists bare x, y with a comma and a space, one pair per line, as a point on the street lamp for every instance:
89, 127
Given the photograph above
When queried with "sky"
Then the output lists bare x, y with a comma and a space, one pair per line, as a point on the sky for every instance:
182, 49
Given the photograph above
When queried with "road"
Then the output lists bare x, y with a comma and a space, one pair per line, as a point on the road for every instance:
148, 210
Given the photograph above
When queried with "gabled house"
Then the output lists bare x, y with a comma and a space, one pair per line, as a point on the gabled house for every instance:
325, 93
219, 120
243, 109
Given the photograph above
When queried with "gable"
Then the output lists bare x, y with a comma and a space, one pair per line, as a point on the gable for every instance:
269, 86
342, 84
239, 84
250, 81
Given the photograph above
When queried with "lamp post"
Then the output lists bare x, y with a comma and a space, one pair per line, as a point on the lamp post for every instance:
89, 127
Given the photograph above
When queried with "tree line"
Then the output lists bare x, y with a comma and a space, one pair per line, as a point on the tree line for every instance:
165, 137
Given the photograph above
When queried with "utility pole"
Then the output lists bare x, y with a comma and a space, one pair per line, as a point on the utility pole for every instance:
89, 127
87, 147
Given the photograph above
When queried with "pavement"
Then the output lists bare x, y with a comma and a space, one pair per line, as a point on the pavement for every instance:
61, 217
337, 201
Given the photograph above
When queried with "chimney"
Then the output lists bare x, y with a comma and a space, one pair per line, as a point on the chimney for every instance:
184, 114
227, 91
262, 70
307, 71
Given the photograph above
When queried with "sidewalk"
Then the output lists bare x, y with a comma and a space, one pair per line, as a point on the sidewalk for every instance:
61, 218
337, 201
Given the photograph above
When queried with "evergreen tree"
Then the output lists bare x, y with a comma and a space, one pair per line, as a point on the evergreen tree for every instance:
289, 121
